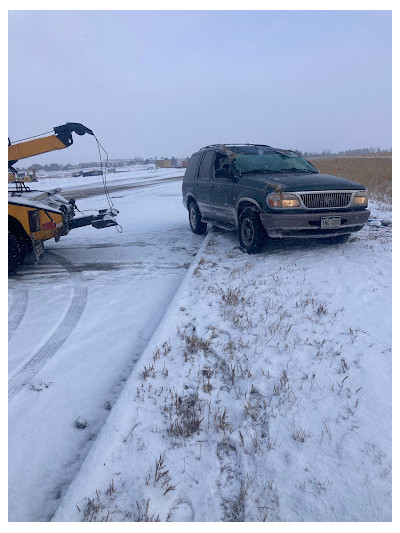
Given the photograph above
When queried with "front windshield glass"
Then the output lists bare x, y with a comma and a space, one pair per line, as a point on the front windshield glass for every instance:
264, 161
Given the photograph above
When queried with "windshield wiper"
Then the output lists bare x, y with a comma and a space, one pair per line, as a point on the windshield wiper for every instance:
262, 171
293, 169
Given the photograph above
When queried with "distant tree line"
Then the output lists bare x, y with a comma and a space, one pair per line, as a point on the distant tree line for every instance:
355, 151
115, 163
141, 161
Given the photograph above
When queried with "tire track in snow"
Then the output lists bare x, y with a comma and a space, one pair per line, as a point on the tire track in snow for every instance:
18, 309
18, 381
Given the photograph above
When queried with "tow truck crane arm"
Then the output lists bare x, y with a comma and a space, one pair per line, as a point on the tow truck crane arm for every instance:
62, 138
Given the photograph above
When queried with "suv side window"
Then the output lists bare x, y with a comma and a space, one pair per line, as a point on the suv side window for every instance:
221, 161
191, 171
206, 166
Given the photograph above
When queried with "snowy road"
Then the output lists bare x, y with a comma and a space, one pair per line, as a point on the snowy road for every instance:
78, 322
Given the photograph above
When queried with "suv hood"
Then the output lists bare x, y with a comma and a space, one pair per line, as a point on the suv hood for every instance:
299, 182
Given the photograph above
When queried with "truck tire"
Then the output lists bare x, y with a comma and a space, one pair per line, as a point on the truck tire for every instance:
251, 233
196, 225
14, 252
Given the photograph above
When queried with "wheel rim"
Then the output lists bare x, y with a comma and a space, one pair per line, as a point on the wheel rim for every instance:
247, 232
192, 216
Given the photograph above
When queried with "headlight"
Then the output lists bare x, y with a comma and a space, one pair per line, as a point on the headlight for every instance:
360, 198
282, 200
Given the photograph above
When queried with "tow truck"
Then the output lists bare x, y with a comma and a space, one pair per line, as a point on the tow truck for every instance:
35, 216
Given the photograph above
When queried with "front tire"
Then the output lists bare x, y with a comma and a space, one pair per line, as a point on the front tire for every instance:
251, 233
196, 225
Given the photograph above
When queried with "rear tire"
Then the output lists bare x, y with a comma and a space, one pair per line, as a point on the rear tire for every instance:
196, 225
14, 252
251, 233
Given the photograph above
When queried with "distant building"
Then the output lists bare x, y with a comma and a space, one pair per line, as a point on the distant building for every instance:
164, 163
180, 162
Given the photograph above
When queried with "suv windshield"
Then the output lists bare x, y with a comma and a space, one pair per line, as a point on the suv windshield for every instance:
259, 160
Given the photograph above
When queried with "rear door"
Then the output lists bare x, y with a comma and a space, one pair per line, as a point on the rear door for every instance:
189, 184
203, 183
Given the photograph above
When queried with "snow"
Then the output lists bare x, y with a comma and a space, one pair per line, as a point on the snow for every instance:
138, 173
104, 292
237, 388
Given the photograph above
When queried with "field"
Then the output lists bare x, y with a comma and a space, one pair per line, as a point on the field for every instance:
373, 171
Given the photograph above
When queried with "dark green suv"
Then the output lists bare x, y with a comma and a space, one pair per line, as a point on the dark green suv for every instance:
264, 192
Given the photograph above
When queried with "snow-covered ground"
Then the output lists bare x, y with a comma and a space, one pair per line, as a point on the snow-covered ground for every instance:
261, 391
78, 321
137, 174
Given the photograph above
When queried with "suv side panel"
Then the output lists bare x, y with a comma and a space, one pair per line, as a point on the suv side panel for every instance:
202, 187
190, 178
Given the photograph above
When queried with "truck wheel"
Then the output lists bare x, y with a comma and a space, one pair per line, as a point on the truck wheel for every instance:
14, 252
196, 224
251, 233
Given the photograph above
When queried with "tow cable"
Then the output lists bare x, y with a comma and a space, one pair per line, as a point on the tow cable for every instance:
103, 213
104, 175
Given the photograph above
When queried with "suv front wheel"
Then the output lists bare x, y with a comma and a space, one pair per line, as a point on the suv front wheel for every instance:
195, 222
251, 233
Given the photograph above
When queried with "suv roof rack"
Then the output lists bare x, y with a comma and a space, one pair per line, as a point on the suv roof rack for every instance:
234, 144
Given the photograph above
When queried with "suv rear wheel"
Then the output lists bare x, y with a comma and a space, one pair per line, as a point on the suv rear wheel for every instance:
251, 233
196, 224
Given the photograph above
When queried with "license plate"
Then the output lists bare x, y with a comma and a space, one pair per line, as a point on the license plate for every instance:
330, 222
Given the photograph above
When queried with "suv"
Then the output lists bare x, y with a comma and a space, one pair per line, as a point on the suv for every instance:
264, 192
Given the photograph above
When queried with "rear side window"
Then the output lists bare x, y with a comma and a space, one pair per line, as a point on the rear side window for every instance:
205, 169
191, 170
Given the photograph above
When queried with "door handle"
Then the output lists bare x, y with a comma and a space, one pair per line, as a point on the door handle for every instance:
211, 185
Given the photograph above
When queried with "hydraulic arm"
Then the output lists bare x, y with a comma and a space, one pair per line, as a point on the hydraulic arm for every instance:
62, 138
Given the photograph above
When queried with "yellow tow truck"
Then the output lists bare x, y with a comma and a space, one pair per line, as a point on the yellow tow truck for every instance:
35, 216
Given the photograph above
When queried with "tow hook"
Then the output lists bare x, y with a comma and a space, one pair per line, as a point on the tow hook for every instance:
105, 218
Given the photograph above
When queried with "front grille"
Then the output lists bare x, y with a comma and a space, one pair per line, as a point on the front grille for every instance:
326, 200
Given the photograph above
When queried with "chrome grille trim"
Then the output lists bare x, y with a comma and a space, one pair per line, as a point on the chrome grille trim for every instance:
314, 200
326, 200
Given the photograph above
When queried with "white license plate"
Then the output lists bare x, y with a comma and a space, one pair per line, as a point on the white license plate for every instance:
330, 222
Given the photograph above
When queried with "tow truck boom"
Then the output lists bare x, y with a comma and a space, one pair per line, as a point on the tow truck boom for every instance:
35, 216
62, 138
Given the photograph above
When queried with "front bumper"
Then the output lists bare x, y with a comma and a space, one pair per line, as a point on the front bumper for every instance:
281, 225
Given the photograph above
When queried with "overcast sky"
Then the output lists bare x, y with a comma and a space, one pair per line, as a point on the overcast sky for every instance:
165, 83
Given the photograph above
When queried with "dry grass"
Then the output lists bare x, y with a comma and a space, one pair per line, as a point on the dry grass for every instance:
373, 171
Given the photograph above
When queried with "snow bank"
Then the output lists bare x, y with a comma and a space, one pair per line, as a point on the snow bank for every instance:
264, 395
